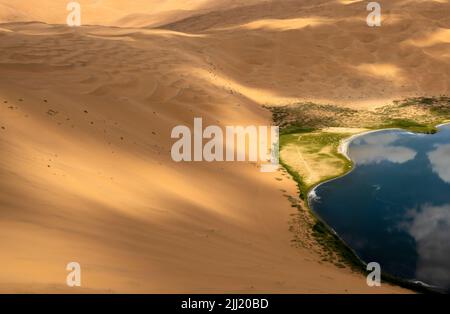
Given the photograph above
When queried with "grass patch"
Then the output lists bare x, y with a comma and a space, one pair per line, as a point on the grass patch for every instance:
333, 244
302, 187
314, 155
309, 116
295, 129
418, 114
408, 125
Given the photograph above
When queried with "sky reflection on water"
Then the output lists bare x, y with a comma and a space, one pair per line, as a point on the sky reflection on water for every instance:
394, 207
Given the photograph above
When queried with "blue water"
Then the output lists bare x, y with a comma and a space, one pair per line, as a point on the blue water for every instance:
394, 207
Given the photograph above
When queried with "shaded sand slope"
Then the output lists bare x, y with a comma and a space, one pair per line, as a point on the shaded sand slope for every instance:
85, 121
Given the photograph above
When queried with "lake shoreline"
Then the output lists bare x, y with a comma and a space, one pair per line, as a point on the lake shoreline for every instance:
343, 150
344, 145
311, 194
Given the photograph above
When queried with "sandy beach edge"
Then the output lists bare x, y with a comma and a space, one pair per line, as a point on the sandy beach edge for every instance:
343, 150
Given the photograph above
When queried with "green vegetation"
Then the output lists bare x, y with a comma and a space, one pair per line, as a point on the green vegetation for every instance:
318, 148
302, 188
336, 251
408, 125
415, 114
295, 129
309, 116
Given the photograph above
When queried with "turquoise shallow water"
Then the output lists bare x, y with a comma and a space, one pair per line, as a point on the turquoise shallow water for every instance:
394, 207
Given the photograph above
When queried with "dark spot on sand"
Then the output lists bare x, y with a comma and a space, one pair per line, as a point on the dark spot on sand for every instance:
52, 112
85, 111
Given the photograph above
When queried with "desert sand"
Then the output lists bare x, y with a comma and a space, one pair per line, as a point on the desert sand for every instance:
85, 121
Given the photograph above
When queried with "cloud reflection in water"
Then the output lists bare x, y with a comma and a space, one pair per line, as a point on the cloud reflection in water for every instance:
430, 227
440, 161
378, 147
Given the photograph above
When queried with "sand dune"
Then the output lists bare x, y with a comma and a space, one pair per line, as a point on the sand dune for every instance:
136, 13
85, 121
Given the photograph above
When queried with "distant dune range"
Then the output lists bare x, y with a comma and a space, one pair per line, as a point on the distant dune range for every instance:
85, 121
